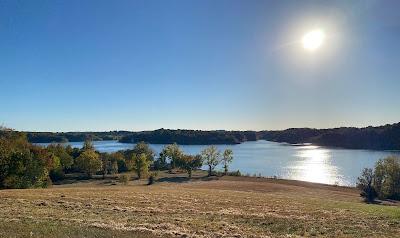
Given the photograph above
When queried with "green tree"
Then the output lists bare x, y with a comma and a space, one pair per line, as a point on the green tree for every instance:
210, 156
189, 163
114, 167
119, 157
387, 177
140, 165
227, 159
140, 150
23, 165
144, 148
88, 145
60, 151
106, 163
171, 152
366, 184
89, 162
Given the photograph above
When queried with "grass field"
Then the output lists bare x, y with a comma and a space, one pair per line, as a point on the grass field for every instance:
201, 207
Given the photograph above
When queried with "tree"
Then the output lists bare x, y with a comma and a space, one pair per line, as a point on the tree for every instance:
119, 158
189, 163
23, 165
171, 152
74, 152
106, 163
89, 162
144, 148
227, 159
366, 184
134, 157
88, 145
63, 160
140, 164
161, 162
61, 152
114, 167
387, 177
210, 156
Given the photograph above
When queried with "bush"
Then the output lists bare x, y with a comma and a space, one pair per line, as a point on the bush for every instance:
229, 173
152, 178
235, 173
124, 179
366, 184
48, 183
57, 174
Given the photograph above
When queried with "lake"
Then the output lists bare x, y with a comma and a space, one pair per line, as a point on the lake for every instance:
299, 162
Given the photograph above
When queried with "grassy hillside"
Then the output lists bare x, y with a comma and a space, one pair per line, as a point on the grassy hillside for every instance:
176, 207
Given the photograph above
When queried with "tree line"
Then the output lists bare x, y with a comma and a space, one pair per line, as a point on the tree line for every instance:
385, 137
25, 165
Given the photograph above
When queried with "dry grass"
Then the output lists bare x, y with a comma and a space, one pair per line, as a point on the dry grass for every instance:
227, 207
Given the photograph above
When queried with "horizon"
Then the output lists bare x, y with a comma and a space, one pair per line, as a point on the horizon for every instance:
72, 66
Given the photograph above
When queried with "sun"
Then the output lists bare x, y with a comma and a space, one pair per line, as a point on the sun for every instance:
313, 40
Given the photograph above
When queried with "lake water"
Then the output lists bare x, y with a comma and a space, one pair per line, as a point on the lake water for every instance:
299, 162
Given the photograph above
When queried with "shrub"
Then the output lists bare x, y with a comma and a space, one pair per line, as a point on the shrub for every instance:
57, 174
235, 173
152, 178
124, 179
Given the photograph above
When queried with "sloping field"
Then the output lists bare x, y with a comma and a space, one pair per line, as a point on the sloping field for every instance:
225, 207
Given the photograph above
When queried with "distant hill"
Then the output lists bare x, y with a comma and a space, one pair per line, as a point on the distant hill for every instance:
161, 136
378, 138
191, 137
58, 137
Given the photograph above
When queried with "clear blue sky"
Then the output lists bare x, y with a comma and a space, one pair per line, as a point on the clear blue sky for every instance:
98, 65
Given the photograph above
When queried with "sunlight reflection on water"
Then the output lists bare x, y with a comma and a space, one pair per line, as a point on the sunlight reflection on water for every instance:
314, 165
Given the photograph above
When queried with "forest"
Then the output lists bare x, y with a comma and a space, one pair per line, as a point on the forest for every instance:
375, 138
385, 137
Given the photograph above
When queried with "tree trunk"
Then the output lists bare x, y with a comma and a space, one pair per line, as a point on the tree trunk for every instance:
209, 171
190, 173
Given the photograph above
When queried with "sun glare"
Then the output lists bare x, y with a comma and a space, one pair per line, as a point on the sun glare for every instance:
313, 40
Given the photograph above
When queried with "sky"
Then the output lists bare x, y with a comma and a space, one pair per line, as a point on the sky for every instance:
99, 65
